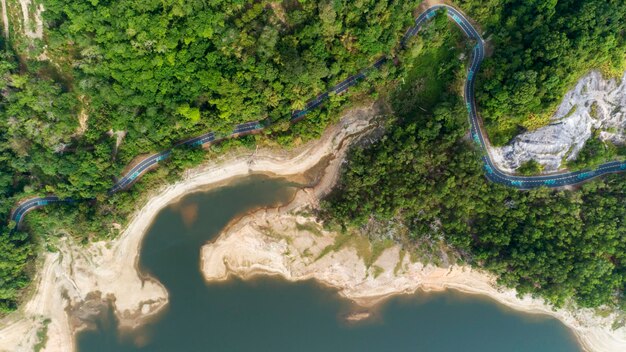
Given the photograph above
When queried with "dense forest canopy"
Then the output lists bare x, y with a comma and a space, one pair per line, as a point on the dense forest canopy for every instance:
425, 175
125, 78
161, 71
111, 80
169, 67
540, 48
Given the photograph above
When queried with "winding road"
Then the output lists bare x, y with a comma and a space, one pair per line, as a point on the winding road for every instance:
491, 171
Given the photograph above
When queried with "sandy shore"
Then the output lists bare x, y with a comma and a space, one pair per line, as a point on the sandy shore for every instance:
273, 241
76, 279
283, 242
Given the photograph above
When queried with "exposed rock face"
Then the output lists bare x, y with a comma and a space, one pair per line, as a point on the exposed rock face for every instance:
594, 104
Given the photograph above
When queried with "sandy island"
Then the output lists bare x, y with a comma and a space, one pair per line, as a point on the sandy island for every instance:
73, 283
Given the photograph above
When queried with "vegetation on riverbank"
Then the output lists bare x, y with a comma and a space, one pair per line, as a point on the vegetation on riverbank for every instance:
426, 175
156, 72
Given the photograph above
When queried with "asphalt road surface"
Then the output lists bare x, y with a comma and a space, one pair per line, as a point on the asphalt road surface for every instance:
491, 171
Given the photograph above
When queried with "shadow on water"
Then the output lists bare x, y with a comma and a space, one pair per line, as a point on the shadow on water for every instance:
267, 314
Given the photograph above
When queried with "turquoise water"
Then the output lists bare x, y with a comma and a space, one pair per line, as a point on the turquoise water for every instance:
268, 314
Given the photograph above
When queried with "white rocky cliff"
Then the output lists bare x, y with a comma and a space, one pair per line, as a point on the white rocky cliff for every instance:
595, 104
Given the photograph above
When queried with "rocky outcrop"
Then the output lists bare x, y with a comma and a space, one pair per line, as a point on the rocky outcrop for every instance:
594, 105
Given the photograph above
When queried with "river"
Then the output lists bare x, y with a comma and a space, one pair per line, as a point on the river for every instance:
267, 314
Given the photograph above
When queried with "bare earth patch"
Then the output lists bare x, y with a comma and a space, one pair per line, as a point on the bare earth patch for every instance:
119, 137
83, 117
5, 19
279, 11
271, 242
35, 32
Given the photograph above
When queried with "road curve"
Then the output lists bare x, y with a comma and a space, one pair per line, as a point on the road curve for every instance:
491, 170
33, 203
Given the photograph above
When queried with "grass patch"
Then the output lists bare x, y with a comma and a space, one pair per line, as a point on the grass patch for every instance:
42, 336
614, 68
531, 167
377, 270
340, 240
534, 122
502, 131
51, 248
363, 248
593, 111
311, 227
428, 88
366, 250
569, 152
415, 257
433, 251
420, 86
594, 153
378, 247
571, 111
619, 323
603, 312
398, 266
269, 232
